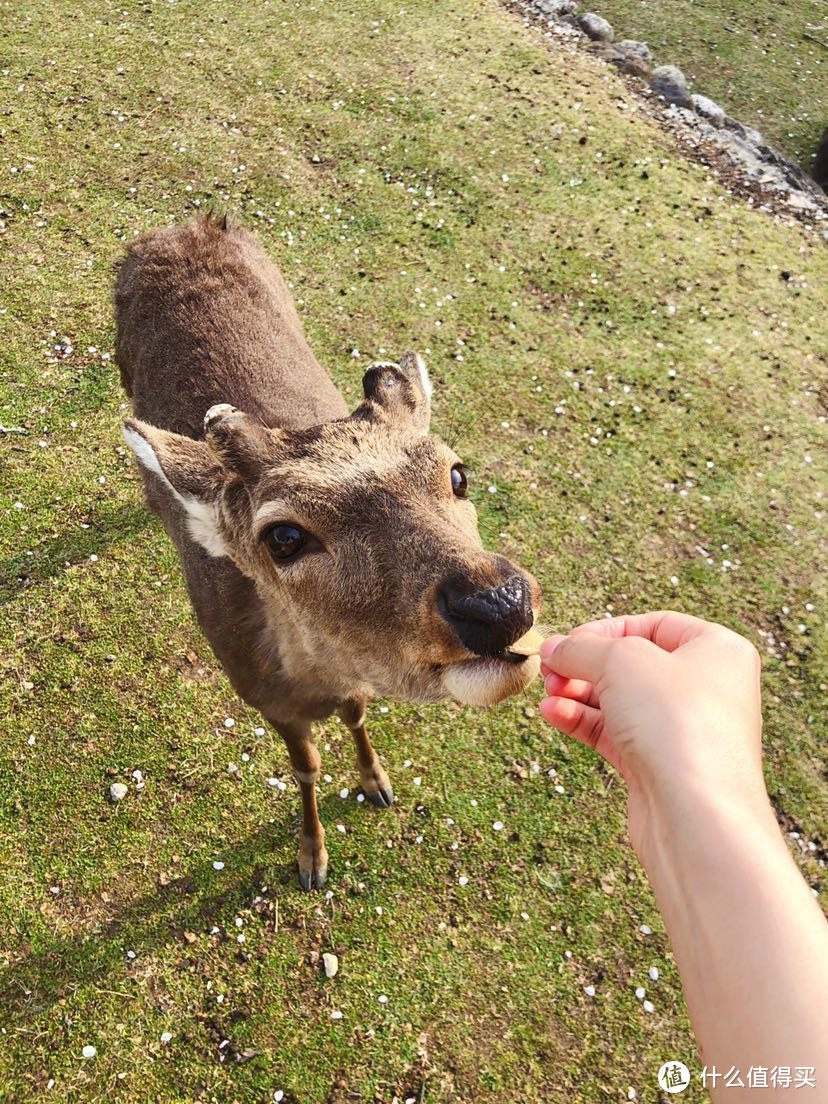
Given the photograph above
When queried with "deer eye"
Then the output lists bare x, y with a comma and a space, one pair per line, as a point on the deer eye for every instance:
284, 541
459, 483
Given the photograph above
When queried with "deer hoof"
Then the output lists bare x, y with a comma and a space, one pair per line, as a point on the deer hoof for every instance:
383, 798
313, 879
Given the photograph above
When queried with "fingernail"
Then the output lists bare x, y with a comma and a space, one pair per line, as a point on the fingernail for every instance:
548, 647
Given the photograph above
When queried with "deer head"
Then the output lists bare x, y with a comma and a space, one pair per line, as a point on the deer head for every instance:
361, 541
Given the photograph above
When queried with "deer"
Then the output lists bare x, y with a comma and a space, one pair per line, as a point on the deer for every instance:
330, 557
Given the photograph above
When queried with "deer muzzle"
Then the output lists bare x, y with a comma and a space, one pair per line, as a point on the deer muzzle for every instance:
488, 621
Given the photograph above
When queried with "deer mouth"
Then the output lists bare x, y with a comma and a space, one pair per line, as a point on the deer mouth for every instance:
515, 658
486, 680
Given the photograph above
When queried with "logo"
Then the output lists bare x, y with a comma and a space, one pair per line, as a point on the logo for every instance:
674, 1077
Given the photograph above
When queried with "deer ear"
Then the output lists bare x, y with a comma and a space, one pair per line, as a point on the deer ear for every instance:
398, 392
189, 471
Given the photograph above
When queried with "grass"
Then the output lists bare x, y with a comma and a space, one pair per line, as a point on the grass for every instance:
633, 358
766, 63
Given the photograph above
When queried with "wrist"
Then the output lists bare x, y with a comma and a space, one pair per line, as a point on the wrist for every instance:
685, 824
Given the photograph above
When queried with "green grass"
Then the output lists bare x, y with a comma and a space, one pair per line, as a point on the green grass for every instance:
752, 56
405, 168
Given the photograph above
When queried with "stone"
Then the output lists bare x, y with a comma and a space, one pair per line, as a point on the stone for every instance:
555, 8
669, 82
596, 27
820, 166
606, 51
118, 791
634, 66
632, 48
708, 109
331, 964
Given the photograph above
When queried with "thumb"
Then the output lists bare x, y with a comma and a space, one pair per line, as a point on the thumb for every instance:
582, 656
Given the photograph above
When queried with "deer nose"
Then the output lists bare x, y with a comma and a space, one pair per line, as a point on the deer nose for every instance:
488, 621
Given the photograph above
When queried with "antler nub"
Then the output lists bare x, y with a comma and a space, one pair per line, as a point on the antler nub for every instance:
220, 410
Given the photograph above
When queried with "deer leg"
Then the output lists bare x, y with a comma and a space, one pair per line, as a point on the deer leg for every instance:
306, 761
375, 782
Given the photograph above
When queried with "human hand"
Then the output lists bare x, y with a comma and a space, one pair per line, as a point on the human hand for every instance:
671, 701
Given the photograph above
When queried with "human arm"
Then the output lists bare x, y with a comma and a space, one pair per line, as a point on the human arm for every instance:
673, 702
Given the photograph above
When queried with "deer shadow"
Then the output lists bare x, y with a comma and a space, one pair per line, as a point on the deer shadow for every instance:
195, 901
53, 555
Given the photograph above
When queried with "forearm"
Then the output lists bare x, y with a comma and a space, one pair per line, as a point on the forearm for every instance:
750, 941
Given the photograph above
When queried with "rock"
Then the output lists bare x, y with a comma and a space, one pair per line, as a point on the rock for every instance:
596, 27
670, 83
634, 66
331, 964
555, 8
708, 109
820, 167
606, 51
631, 48
118, 791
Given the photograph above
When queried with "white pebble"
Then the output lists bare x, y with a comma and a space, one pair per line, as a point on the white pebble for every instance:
331, 964
589, 990
278, 1095
463, 880
383, 999
417, 781
118, 791
498, 826
344, 793
641, 992
229, 722
492, 489
336, 1014
89, 1052
653, 972
218, 865
166, 1036
360, 798
648, 1006
645, 929
259, 731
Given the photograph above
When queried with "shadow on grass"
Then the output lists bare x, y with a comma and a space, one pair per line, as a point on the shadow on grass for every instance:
193, 903
54, 555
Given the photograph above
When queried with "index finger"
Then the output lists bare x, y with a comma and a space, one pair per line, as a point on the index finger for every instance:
667, 629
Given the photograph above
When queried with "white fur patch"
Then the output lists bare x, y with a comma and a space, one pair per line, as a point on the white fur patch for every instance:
202, 520
488, 682
425, 382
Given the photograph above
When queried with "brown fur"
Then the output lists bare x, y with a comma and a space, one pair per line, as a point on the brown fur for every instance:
204, 318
